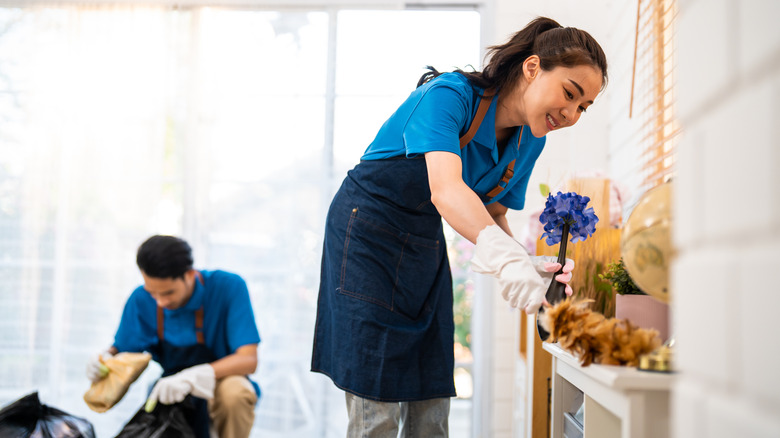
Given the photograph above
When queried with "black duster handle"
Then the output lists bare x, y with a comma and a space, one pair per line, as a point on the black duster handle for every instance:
557, 290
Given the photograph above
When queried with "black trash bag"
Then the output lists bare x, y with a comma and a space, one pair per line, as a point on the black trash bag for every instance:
165, 421
27, 417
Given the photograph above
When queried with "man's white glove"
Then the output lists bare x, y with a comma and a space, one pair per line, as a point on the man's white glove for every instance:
500, 255
198, 381
547, 266
96, 370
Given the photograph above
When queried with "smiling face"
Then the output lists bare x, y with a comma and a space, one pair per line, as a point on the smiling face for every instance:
170, 293
549, 100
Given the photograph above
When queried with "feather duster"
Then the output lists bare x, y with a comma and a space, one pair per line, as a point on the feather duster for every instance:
593, 338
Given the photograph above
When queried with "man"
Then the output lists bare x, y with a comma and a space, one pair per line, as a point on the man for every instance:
199, 326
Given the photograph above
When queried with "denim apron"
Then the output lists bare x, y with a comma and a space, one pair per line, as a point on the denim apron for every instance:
384, 328
174, 358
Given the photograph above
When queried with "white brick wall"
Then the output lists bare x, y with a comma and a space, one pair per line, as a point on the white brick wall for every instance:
759, 36
727, 210
756, 346
709, 289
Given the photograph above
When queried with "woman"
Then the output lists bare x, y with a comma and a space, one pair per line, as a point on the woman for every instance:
462, 148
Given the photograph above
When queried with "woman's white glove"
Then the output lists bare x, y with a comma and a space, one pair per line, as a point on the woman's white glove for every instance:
96, 370
198, 381
500, 255
547, 266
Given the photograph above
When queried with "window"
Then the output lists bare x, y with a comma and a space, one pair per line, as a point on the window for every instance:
229, 127
652, 93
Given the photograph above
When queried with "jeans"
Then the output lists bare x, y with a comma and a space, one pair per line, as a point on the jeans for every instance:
416, 419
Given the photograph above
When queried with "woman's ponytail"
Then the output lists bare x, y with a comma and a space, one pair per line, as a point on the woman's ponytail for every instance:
428, 75
506, 60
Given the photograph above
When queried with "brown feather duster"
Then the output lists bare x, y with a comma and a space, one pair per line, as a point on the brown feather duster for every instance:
595, 339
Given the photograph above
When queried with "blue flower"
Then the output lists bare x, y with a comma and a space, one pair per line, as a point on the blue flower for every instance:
569, 209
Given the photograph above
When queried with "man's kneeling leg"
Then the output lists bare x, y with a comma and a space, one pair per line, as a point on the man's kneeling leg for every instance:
232, 409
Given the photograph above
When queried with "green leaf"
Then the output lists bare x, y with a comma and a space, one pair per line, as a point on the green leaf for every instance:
617, 275
545, 189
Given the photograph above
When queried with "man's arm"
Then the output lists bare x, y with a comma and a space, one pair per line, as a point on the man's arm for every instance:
242, 362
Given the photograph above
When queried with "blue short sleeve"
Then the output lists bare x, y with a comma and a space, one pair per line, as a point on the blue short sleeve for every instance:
436, 121
137, 330
242, 329
432, 118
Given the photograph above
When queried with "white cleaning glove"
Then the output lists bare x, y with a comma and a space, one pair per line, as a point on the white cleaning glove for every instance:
96, 371
198, 381
500, 255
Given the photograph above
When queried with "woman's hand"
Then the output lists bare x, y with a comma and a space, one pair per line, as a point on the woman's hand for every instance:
501, 256
547, 266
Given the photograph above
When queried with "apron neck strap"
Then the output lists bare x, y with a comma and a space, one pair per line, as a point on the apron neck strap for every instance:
482, 109
198, 325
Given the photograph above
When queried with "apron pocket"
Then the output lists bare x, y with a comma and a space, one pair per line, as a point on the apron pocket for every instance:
388, 267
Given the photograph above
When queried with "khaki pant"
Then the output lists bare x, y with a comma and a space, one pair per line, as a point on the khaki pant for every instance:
232, 410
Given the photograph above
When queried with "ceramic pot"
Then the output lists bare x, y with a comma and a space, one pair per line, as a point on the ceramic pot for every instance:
644, 311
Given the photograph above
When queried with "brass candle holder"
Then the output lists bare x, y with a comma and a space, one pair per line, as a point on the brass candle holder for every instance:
659, 360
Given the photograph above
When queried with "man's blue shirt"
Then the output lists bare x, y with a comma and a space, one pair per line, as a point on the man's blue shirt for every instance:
436, 115
228, 319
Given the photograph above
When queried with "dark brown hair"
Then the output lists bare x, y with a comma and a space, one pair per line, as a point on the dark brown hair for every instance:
164, 257
555, 46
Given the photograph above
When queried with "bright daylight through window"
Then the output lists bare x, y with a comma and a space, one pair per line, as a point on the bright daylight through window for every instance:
228, 127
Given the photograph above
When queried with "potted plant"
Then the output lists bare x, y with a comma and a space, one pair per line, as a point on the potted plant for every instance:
633, 304
617, 275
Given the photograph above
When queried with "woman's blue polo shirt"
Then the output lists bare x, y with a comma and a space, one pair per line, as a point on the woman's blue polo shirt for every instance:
436, 115
228, 319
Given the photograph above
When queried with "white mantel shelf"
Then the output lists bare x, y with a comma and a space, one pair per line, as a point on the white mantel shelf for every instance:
620, 402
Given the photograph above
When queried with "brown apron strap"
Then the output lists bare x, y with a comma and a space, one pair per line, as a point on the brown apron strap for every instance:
482, 109
199, 325
198, 319
508, 173
199, 315
160, 319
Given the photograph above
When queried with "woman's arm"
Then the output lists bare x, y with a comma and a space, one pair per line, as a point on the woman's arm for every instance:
497, 253
498, 213
454, 200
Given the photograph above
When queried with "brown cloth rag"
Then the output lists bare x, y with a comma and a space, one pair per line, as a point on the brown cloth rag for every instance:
123, 370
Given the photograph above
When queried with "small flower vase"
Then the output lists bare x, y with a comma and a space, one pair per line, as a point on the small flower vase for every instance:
557, 290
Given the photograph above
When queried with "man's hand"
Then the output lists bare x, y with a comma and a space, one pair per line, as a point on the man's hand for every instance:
96, 370
198, 381
500, 255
